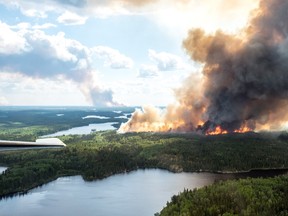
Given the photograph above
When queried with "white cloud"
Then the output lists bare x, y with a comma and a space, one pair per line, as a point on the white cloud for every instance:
30, 8
176, 15
41, 9
42, 55
210, 15
148, 71
163, 61
113, 58
34, 13
104, 12
56, 47
69, 18
97, 8
36, 54
166, 61
21, 25
23, 90
26, 25
44, 26
11, 42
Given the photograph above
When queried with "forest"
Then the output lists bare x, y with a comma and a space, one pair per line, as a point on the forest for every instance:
104, 153
28, 123
263, 197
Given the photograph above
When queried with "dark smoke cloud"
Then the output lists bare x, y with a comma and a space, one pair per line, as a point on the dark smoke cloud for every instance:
245, 77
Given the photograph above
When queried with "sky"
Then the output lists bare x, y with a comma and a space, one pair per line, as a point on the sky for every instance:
104, 52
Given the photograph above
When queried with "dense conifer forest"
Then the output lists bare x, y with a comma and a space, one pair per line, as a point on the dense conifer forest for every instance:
104, 153
247, 197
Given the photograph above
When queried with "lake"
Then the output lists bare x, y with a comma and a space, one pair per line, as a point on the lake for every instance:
141, 193
84, 129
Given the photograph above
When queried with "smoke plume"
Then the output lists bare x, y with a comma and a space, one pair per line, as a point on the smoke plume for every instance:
244, 80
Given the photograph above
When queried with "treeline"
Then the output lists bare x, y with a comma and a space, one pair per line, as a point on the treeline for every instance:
28, 124
31, 168
263, 197
102, 154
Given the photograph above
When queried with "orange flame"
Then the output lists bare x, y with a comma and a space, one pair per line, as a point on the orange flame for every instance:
243, 129
219, 130
216, 131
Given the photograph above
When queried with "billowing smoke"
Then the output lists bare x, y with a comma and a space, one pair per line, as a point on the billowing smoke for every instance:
244, 80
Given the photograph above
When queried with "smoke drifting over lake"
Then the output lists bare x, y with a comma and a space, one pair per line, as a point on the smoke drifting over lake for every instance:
244, 81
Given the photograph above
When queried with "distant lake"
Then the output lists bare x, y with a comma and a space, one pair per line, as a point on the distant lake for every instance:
141, 193
84, 129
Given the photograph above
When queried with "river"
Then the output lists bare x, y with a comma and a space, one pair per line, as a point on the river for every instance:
141, 193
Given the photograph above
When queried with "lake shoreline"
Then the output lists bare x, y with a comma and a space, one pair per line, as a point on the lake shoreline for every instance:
248, 171
26, 190
126, 192
83, 129
103, 154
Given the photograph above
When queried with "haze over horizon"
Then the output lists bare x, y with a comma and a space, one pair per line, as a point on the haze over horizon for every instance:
103, 53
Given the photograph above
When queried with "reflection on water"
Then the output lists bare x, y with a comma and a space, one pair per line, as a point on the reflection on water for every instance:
141, 193
84, 129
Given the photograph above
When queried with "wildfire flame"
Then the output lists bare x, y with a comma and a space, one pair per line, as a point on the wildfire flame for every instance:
149, 120
219, 130
243, 130
216, 131
243, 85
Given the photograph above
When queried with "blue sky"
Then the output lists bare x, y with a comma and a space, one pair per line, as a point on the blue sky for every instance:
103, 52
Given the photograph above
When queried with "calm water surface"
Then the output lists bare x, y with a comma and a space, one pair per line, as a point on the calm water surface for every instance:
84, 129
141, 193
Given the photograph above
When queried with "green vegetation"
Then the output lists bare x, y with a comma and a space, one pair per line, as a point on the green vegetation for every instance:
102, 154
28, 124
263, 197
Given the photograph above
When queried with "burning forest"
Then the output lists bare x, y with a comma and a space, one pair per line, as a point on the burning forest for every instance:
243, 85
